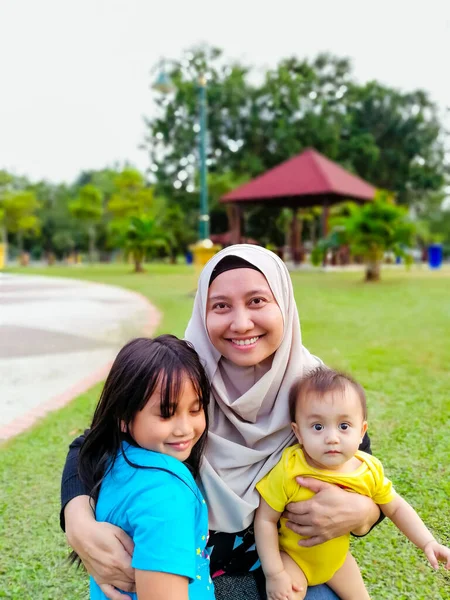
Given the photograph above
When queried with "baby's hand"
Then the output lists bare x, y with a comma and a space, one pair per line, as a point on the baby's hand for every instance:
436, 552
279, 586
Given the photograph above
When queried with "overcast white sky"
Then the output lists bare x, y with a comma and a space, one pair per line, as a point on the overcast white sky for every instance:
75, 74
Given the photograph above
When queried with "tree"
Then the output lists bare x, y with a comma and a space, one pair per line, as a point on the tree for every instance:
395, 140
132, 198
18, 208
180, 234
373, 229
392, 139
88, 209
144, 237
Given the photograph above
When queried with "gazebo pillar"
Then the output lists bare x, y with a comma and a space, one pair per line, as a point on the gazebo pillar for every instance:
295, 238
325, 217
234, 218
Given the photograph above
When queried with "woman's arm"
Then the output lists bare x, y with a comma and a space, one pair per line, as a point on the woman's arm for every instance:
331, 512
71, 484
154, 585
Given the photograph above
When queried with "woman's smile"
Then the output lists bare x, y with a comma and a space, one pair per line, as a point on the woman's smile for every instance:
245, 343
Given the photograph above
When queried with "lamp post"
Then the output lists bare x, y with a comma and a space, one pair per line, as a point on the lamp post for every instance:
204, 214
164, 85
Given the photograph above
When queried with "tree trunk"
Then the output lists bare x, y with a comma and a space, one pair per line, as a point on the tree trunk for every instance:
20, 241
91, 233
4, 242
373, 269
138, 257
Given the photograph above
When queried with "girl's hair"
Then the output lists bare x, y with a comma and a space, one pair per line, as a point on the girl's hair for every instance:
139, 368
321, 381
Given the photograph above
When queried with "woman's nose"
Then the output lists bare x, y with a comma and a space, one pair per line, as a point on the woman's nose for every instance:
241, 322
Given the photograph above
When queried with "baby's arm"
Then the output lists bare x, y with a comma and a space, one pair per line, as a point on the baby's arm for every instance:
279, 584
408, 521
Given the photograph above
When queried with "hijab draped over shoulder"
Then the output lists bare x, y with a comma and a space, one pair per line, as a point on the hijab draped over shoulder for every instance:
249, 410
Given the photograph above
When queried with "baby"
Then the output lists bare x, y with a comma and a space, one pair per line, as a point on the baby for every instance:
329, 415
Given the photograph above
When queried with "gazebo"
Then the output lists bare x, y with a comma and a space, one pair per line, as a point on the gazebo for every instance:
308, 179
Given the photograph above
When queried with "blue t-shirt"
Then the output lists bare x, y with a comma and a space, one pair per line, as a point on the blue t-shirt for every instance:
163, 511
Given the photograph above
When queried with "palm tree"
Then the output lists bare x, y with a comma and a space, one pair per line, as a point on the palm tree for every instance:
144, 237
373, 229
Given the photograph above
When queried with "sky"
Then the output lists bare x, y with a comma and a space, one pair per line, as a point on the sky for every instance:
76, 74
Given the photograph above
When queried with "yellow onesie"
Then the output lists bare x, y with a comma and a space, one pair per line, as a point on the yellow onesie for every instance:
279, 487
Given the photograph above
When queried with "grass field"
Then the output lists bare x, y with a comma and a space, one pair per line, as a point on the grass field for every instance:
393, 336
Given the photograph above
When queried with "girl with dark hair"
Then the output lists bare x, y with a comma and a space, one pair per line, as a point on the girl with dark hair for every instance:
140, 459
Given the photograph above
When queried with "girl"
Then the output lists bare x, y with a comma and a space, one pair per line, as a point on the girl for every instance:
149, 421
245, 327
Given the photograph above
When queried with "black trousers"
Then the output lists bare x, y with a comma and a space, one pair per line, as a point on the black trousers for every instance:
239, 587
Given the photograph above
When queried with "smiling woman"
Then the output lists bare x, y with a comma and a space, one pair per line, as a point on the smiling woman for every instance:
243, 319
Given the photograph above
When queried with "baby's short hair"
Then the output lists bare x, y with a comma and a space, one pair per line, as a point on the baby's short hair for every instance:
319, 382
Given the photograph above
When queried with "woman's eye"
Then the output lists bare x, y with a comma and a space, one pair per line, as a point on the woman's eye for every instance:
257, 301
344, 426
219, 306
317, 427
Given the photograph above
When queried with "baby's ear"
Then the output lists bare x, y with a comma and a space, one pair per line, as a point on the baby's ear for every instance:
363, 430
123, 426
296, 431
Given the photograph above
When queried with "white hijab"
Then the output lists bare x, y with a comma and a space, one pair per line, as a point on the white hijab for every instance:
249, 412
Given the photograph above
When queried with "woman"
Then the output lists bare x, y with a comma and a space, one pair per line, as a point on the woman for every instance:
246, 328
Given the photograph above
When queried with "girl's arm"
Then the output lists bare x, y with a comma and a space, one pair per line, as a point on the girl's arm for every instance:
408, 521
104, 549
154, 585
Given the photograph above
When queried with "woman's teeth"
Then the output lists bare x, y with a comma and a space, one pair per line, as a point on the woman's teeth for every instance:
245, 342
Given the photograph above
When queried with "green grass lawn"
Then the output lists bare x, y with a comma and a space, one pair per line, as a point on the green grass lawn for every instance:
393, 336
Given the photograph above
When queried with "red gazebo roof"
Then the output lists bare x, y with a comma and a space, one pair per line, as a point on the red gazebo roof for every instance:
310, 178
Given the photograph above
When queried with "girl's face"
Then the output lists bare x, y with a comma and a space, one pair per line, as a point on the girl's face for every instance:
176, 435
243, 319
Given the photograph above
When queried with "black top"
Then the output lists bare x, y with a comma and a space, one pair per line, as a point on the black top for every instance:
231, 552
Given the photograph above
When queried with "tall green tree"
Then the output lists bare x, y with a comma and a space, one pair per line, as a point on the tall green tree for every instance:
18, 209
88, 209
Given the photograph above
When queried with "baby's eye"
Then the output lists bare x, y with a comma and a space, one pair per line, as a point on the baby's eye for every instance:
344, 426
317, 427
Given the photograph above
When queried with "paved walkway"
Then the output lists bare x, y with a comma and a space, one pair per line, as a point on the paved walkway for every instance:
58, 337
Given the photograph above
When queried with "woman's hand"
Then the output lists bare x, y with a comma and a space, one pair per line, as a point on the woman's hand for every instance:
105, 549
330, 513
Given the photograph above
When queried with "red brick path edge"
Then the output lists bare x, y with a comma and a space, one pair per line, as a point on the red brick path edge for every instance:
29, 418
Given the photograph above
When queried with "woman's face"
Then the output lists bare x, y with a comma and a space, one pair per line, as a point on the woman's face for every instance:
243, 319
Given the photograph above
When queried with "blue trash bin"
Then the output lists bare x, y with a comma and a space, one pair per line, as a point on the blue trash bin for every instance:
188, 256
435, 256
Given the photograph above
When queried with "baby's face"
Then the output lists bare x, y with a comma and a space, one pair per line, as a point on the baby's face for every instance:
330, 428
